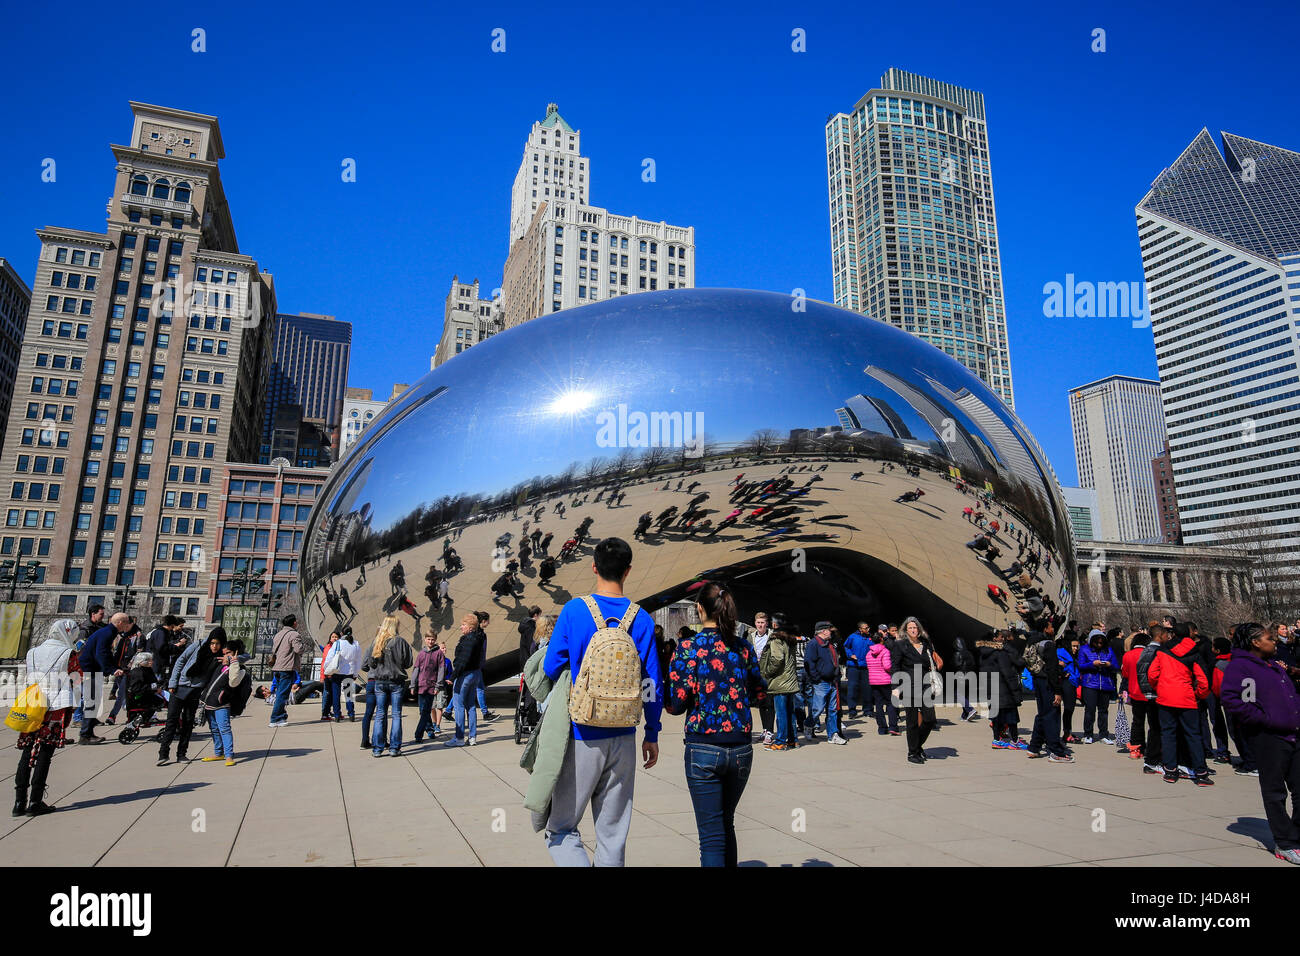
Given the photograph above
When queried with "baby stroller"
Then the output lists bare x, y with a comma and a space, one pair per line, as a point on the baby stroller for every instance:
142, 700
526, 713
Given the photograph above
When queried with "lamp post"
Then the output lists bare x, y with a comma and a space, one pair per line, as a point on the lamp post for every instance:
14, 574
125, 598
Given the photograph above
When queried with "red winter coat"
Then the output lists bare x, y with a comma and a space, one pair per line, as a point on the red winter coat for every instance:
1128, 669
1216, 679
1176, 684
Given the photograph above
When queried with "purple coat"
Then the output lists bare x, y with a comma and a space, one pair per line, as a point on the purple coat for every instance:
430, 671
1102, 678
1275, 707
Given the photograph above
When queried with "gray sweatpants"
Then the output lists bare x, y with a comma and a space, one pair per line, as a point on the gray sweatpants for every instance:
602, 773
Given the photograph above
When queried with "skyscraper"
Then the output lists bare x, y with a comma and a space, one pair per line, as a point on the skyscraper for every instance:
1162, 474
565, 252
467, 319
1118, 428
310, 371
1220, 239
914, 236
113, 456
15, 300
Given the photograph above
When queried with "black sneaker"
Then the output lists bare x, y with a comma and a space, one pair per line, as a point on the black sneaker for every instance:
163, 761
1171, 776
490, 715
1035, 754
915, 759
1202, 780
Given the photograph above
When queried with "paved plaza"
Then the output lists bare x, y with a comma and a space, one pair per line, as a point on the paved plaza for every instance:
307, 794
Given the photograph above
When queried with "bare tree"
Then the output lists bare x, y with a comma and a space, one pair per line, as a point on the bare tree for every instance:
763, 441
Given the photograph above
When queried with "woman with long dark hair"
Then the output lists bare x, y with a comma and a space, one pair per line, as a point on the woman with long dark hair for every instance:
914, 655
714, 680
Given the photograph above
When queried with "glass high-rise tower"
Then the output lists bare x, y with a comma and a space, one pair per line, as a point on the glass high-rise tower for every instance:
1220, 240
914, 236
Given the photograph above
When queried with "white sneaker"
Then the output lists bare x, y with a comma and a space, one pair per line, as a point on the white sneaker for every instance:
836, 739
455, 742
1108, 740
767, 737
473, 741
1087, 740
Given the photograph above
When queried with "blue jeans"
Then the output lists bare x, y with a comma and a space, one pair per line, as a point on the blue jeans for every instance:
462, 692
859, 689
784, 706
825, 697
369, 714
335, 684
716, 777
283, 684
388, 695
223, 741
425, 723
327, 691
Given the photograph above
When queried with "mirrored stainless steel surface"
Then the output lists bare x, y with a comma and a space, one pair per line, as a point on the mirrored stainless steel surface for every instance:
822, 463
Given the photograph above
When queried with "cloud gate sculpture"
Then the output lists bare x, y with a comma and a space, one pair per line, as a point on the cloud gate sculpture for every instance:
821, 463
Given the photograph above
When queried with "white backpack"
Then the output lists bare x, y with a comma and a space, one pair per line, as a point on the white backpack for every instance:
607, 690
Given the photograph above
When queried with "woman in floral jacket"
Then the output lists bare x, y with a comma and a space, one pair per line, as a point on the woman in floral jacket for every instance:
714, 680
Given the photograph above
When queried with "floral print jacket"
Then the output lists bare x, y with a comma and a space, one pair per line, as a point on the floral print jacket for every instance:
714, 686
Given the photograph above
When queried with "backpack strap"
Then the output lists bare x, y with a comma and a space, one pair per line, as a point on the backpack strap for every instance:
594, 608
629, 616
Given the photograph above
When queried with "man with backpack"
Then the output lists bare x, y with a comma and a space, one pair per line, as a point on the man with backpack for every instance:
607, 643
1049, 680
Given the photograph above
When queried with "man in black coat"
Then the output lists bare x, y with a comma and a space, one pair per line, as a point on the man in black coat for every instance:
1048, 684
165, 642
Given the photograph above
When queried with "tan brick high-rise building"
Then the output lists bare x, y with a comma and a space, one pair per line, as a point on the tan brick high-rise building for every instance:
143, 369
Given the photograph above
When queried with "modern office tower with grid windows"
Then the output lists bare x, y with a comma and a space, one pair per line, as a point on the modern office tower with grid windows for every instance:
565, 252
1220, 240
143, 370
914, 234
309, 373
1118, 428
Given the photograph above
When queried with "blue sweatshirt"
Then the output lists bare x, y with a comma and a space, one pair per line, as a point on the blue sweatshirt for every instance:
574, 630
855, 649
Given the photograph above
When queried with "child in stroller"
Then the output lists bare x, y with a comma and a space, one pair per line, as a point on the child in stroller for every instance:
528, 713
142, 697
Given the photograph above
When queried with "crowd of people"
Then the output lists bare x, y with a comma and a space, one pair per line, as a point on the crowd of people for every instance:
1177, 700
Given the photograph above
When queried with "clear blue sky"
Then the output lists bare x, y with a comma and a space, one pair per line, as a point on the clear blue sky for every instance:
732, 117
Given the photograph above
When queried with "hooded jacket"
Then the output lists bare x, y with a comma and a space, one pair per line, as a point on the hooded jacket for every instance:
879, 664
776, 664
1177, 676
392, 664
51, 663
1276, 705
1091, 670
349, 652
430, 671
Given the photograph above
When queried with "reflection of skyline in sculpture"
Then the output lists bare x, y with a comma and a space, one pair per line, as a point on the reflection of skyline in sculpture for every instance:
873, 415
943, 423
815, 524
1010, 451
